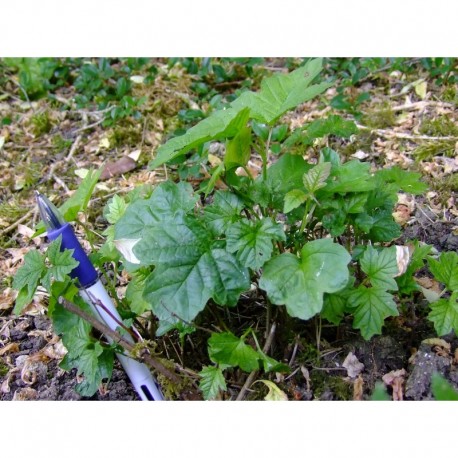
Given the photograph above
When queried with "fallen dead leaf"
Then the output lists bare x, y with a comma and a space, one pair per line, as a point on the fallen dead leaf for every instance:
25, 394
12, 347
401, 214
395, 379
403, 254
123, 165
274, 394
358, 388
353, 366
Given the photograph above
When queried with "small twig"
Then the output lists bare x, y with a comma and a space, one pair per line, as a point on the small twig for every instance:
116, 337
420, 105
252, 375
390, 134
90, 126
16, 224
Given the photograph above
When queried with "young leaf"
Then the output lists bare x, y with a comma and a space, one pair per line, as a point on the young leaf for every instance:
219, 125
252, 240
444, 315
280, 93
381, 267
227, 349
294, 199
445, 269
238, 149
224, 211
406, 281
299, 283
283, 176
353, 176
78, 202
379, 393
334, 306
316, 177
114, 209
442, 390
274, 394
212, 382
26, 279
372, 306
62, 263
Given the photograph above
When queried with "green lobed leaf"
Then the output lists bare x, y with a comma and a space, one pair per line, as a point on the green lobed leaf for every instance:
114, 209
444, 315
280, 93
179, 292
227, 349
334, 306
299, 283
134, 294
211, 382
62, 263
225, 123
224, 211
445, 269
26, 279
381, 267
405, 181
372, 306
252, 240
294, 199
383, 227
168, 201
316, 177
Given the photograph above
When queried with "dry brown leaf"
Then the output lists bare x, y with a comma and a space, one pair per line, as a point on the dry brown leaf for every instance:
12, 347
403, 254
353, 366
123, 165
358, 388
395, 379
25, 394
7, 298
5, 387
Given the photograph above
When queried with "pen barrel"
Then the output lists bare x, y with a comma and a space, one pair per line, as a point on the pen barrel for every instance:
139, 374
85, 271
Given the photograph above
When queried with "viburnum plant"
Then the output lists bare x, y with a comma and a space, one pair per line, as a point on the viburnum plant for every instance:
306, 238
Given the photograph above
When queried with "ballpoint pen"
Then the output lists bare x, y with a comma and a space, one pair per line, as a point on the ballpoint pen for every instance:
95, 294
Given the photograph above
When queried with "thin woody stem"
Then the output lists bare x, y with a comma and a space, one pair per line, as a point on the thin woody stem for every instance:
117, 338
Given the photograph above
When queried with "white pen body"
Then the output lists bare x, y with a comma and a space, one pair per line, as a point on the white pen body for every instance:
139, 374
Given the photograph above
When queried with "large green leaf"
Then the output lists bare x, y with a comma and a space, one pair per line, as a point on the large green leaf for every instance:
169, 201
444, 315
300, 283
221, 124
212, 382
180, 291
372, 306
280, 93
252, 240
445, 269
229, 350
381, 267
26, 279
